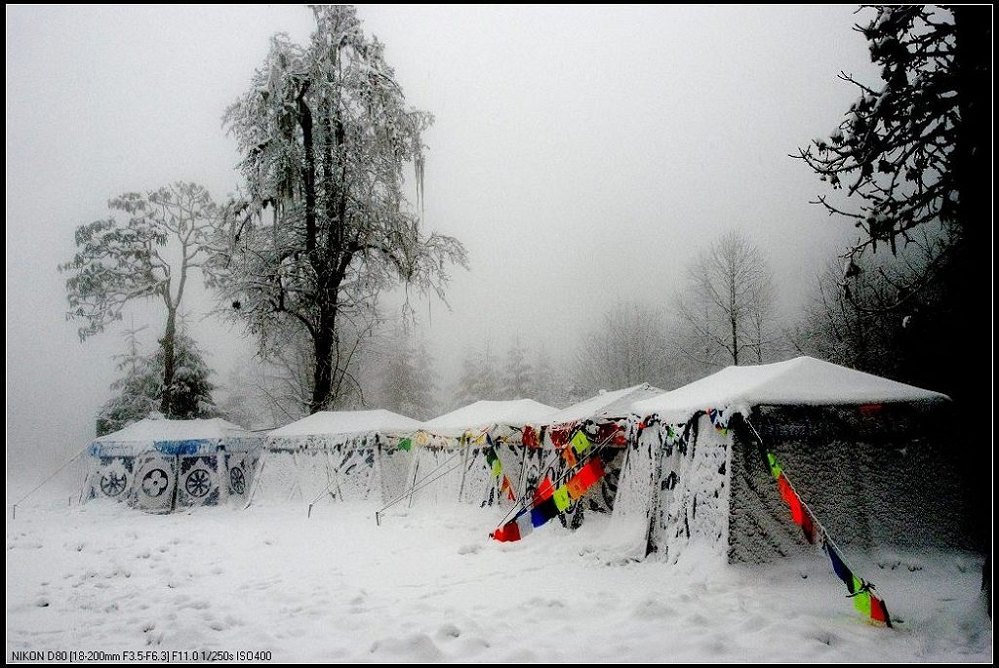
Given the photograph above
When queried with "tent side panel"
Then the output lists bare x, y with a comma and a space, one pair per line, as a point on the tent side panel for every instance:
877, 478
394, 468
694, 494
760, 526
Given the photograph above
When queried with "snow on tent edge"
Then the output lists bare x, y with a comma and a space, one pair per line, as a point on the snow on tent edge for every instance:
800, 381
161, 429
485, 413
607, 404
348, 422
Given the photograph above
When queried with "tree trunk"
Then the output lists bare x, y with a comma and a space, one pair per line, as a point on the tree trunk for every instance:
167, 343
322, 377
733, 317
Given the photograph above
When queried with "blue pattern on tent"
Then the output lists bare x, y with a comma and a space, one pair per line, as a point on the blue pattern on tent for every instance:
188, 447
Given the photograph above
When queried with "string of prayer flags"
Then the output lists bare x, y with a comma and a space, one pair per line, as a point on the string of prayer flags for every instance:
864, 601
775, 469
544, 511
406, 444
554, 502
585, 478
580, 441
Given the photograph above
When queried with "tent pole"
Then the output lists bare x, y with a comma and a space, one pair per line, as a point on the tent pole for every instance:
464, 472
654, 510
522, 483
256, 480
416, 470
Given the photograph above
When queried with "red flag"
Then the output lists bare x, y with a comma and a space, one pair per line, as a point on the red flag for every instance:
544, 491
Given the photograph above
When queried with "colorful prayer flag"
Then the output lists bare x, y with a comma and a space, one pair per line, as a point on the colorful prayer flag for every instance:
580, 442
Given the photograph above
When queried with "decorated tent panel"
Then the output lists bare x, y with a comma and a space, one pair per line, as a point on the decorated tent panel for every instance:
162, 465
478, 454
337, 455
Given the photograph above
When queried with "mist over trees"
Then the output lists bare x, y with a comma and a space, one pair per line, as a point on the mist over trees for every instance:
406, 378
628, 345
323, 231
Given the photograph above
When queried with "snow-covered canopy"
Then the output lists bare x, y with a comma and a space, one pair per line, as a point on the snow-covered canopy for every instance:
801, 381
485, 413
153, 429
175, 437
348, 422
606, 404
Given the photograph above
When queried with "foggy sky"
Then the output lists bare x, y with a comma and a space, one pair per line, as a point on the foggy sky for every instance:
581, 154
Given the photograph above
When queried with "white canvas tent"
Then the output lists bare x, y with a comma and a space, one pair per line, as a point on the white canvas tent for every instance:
340, 455
868, 455
452, 449
161, 465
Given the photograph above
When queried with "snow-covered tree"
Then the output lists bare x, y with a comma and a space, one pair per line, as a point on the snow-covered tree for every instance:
148, 255
425, 405
915, 148
408, 380
728, 306
138, 393
478, 378
544, 380
325, 132
518, 381
488, 384
913, 155
191, 390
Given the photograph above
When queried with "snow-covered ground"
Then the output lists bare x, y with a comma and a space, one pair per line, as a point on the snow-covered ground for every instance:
427, 585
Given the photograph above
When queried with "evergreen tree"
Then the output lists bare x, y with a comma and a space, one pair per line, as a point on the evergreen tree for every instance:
139, 392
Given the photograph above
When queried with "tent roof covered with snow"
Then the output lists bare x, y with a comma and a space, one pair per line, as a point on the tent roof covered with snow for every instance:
484, 413
612, 404
153, 429
800, 381
348, 422
173, 437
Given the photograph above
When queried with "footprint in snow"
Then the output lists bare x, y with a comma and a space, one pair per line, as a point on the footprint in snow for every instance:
448, 632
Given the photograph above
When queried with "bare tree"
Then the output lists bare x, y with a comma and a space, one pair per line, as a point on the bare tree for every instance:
151, 254
728, 308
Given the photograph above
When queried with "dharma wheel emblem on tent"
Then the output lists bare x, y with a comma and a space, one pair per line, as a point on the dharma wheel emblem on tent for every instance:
113, 484
237, 481
198, 483
155, 482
